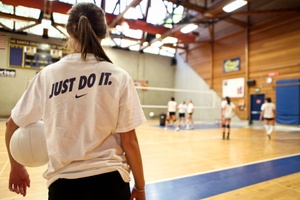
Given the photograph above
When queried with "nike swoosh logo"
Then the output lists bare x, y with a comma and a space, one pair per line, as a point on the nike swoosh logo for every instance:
78, 96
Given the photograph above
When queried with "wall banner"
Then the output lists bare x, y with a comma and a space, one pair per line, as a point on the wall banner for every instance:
232, 65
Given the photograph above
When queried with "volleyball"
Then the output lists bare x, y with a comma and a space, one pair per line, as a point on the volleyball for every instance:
151, 114
28, 145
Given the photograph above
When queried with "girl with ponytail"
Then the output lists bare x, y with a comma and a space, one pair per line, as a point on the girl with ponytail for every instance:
90, 109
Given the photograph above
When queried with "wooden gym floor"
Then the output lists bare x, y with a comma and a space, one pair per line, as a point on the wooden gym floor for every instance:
198, 164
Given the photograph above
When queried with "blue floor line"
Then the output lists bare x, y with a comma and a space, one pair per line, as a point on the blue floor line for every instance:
214, 183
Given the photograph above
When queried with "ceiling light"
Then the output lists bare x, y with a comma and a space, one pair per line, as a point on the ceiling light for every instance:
188, 28
234, 5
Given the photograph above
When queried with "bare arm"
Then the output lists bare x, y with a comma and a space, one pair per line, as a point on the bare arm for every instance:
130, 145
261, 115
234, 111
18, 178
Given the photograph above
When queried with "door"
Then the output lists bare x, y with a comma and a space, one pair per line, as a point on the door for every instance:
256, 100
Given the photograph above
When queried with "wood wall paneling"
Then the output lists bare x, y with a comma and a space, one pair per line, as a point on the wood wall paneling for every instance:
272, 48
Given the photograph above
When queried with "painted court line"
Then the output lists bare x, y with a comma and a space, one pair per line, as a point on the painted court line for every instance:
214, 183
225, 168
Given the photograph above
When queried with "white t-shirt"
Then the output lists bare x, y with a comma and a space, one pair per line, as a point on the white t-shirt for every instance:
190, 108
268, 109
223, 103
182, 108
84, 106
228, 109
172, 106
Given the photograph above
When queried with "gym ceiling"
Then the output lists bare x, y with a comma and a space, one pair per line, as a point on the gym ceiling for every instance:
213, 23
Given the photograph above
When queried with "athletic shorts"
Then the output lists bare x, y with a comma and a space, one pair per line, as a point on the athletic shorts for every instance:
181, 115
103, 186
269, 118
172, 113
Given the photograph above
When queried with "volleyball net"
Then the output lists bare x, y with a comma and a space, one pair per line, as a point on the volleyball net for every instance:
155, 99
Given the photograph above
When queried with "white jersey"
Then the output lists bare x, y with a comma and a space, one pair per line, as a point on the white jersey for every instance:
228, 109
223, 103
190, 108
182, 108
172, 106
268, 109
85, 105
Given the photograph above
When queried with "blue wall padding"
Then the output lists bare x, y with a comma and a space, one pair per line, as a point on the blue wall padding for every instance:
288, 101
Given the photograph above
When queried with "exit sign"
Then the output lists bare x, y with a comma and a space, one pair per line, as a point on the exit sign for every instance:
273, 74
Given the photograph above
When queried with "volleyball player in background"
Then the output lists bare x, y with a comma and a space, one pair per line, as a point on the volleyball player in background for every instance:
268, 113
228, 109
190, 111
172, 108
223, 103
182, 109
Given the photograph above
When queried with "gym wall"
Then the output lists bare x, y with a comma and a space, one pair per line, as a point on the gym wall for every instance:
267, 50
157, 70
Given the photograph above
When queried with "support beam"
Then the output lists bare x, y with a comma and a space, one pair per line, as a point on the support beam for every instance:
189, 5
5, 27
121, 15
166, 34
26, 27
17, 18
267, 12
236, 22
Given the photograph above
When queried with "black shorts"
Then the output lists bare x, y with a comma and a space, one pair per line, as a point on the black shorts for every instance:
269, 119
181, 115
92, 188
172, 113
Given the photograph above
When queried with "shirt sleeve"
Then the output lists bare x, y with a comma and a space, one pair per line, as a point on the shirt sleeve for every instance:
223, 104
28, 109
131, 114
262, 107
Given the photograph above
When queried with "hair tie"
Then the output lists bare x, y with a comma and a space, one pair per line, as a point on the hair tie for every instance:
83, 16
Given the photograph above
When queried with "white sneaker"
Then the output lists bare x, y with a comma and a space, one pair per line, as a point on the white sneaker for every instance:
177, 129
